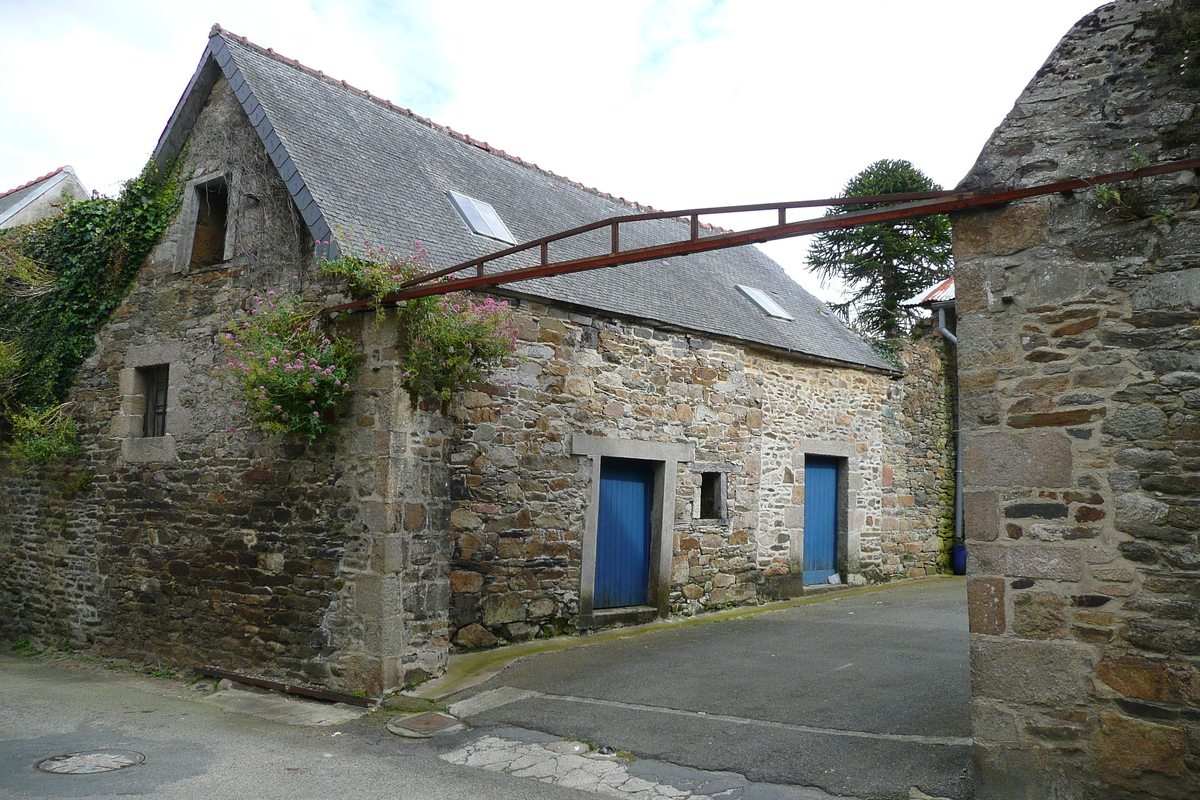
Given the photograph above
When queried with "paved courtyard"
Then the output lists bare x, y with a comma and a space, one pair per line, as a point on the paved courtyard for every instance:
865, 695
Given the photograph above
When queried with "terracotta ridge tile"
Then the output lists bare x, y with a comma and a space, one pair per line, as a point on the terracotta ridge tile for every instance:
27, 184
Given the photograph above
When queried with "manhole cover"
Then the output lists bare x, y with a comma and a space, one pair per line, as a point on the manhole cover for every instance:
426, 723
90, 761
424, 726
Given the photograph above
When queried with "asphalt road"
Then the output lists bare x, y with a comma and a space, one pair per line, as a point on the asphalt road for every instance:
196, 751
865, 695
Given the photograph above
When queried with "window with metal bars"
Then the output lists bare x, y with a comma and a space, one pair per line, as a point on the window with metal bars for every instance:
154, 379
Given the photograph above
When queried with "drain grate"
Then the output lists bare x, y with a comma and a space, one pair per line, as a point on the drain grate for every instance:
90, 762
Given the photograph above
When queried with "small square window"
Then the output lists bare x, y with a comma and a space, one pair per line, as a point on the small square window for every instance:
712, 495
154, 389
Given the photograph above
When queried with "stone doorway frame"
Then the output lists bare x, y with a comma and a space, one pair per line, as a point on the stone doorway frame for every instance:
666, 458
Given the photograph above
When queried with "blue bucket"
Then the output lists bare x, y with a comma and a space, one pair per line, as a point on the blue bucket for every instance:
958, 557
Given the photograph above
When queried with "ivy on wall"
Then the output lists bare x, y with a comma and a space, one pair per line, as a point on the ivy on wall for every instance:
60, 280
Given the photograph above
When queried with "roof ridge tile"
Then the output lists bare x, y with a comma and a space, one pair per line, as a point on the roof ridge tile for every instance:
27, 184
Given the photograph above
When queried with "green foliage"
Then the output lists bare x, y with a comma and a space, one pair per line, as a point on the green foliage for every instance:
452, 343
60, 279
12, 360
447, 342
291, 374
41, 435
373, 278
886, 263
1163, 214
22, 645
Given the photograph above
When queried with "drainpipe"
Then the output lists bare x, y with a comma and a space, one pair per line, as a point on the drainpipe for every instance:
958, 479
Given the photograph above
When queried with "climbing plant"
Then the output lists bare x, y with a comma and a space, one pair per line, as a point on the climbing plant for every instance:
291, 373
447, 342
60, 279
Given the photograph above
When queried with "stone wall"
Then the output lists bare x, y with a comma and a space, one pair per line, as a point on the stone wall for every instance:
522, 494
918, 474
1078, 366
212, 545
350, 562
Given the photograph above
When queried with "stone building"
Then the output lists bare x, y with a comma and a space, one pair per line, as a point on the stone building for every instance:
708, 386
1080, 384
40, 198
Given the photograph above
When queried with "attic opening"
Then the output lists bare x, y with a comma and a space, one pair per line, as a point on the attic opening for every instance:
212, 217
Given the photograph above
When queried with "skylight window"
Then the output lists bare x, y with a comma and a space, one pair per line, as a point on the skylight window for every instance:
764, 301
481, 217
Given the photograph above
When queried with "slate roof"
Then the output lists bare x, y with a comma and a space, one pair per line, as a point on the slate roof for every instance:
360, 168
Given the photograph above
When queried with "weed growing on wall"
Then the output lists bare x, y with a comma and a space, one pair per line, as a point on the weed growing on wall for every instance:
447, 342
290, 372
60, 280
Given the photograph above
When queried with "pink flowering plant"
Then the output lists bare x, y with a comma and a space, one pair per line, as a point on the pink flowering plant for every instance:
447, 341
453, 342
291, 373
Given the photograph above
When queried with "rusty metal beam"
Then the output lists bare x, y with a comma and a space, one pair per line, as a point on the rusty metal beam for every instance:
921, 204
289, 688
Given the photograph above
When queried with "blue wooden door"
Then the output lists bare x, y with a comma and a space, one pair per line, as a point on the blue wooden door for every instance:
820, 518
623, 533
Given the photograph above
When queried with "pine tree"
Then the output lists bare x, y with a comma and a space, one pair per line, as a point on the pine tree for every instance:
886, 263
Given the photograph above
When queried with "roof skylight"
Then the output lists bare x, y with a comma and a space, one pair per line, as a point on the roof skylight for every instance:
764, 301
481, 217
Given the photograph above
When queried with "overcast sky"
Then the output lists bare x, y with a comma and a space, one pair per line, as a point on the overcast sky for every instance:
673, 103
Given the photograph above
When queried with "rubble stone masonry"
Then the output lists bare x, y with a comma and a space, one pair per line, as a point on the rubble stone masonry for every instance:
323, 563
1080, 380
521, 494
353, 561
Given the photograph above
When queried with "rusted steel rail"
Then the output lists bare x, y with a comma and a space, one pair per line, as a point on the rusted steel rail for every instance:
911, 205
289, 688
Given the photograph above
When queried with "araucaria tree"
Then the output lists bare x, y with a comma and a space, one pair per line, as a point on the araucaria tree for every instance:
885, 263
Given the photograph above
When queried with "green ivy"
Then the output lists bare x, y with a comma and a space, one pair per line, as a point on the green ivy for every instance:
60, 280
1176, 40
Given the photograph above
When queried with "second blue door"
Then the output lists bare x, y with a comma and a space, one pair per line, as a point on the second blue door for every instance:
820, 518
623, 533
